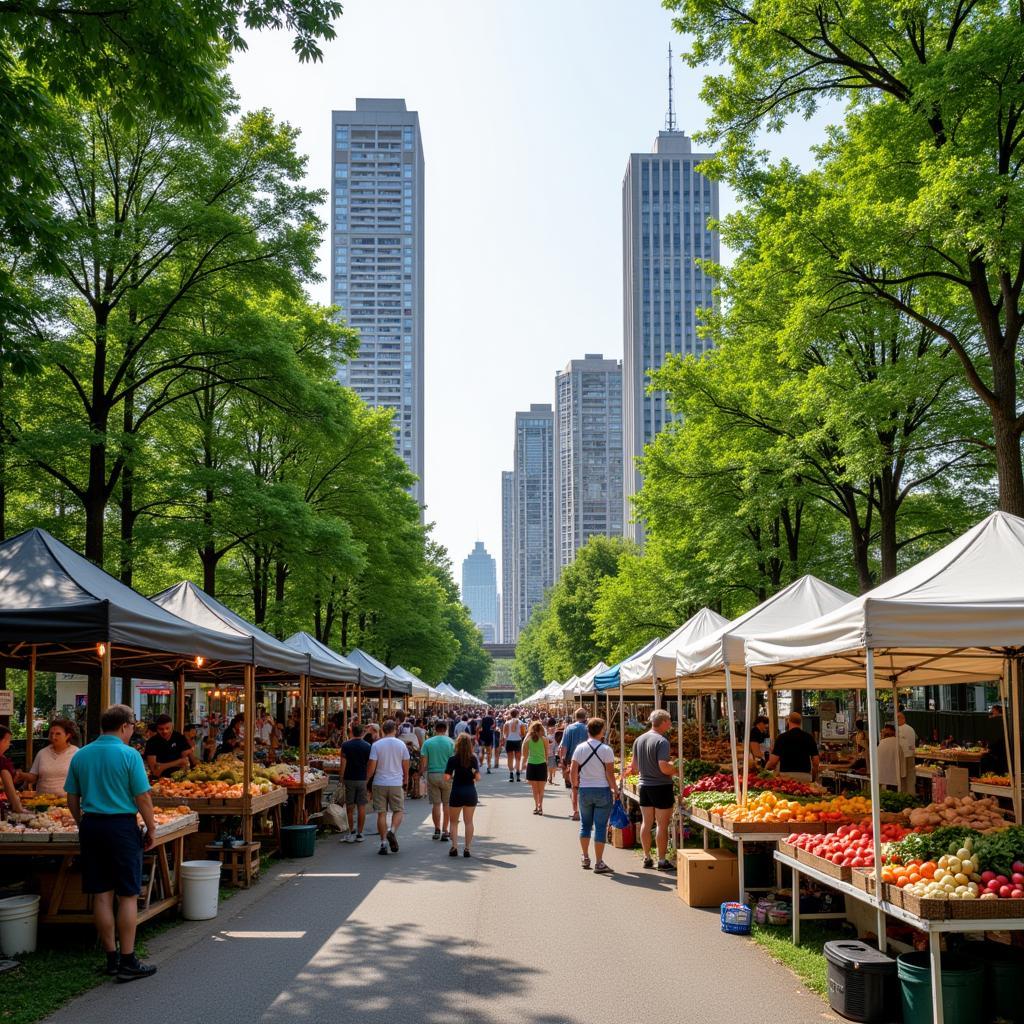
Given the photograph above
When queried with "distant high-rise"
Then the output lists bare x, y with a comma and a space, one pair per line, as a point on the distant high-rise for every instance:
533, 505
666, 203
377, 261
508, 604
588, 411
480, 591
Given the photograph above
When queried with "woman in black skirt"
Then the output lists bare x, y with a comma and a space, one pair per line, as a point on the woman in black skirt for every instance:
463, 771
537, 750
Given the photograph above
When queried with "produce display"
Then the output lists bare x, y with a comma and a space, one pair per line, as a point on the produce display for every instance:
288, 774
223, 779
723, 783
57, 821
849, 846
221, 790
709, 800
989, 779
695, 768
42, 801
979, 813
890, 800
770, 808
934, 750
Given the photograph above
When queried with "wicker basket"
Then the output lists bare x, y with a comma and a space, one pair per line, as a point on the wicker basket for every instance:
826, 867
985, 910
927, 910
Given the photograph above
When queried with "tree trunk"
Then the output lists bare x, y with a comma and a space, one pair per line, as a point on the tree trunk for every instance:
888, 513
96, 489
127, 501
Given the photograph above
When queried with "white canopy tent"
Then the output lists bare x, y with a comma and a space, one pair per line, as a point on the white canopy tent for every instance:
586, 681
659, 663
957, 616
709, 661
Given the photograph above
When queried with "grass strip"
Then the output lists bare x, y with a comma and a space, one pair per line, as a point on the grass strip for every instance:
807, 961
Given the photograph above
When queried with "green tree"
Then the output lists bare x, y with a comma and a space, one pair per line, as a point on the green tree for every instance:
922, 184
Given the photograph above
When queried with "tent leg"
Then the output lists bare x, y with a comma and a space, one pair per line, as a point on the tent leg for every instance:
1015, 702
248, 719
179, 701
746, 752
732, 733
876, 810
622, 726
30, 707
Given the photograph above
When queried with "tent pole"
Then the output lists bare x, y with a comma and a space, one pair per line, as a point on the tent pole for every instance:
622, 726
700, 725
732, 733
746, 743
249, 676
876, 808
679, 722
1015, 700
773, 712
30, 707
304, 696
179, 701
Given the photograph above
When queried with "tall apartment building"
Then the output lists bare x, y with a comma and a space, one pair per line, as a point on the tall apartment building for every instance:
377, 261
480, 591
508, 555
533, 510
666, 203
588, 413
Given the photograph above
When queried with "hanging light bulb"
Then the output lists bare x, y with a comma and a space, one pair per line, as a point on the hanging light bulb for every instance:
199, 661
101, 649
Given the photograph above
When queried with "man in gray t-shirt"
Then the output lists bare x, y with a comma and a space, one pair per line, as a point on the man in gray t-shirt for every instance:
651, 760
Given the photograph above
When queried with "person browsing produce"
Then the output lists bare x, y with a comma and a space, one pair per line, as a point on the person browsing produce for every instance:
50, 766
106, 786
167, 750
758, 738
652, 760
795, 753
8, 772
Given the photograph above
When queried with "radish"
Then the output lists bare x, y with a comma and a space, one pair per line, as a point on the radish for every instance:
1005, 892
988, 876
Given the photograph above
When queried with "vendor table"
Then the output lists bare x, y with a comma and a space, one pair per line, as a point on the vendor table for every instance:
986, 789
739, 838
62, 900
934, 929
305, 799
212, 814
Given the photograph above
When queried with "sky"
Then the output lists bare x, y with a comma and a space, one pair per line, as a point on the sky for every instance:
528, 113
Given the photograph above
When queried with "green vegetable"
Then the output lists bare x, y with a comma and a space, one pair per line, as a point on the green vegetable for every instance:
932, 845
695, 769
998, 850
895, 802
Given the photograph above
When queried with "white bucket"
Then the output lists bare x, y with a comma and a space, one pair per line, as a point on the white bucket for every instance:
200, 884
19, 916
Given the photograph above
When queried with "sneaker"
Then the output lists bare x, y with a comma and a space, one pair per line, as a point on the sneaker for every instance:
437, 833
648, 862
600, 868
585, 863
488, 771
112, 966
392, 841
518, 779
511, 777
664, 865
466, 853
347, 838
132, 968
383, 851
359, 837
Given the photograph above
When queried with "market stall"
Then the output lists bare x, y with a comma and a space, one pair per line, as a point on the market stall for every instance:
957, 616
377, 677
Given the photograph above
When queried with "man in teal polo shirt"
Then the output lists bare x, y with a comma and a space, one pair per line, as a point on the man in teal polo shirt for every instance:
106, 785
436, 752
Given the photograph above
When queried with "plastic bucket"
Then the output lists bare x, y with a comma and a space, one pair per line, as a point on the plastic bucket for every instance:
200, 886
298, 840
963, 989
19, 919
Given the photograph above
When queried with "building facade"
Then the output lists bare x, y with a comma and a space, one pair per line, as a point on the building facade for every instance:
588, 415
666, 203
377, 225
508, 631
533, 510
480, 591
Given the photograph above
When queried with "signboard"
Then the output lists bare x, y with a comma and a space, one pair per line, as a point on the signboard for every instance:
834, 730
827, 710
6, 702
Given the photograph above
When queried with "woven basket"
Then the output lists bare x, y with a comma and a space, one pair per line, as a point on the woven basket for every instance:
826, 867
928, 910
985, 910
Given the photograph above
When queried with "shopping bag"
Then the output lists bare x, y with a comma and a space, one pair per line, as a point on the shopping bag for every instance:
618, 818
335, 817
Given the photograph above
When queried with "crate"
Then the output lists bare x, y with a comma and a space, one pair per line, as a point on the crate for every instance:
826, 867
863, 879
789, 851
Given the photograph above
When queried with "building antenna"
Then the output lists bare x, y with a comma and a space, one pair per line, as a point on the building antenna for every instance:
670, 120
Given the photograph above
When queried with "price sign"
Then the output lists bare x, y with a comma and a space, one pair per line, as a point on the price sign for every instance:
6, 702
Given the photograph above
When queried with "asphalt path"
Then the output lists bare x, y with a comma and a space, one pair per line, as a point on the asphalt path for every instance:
518, 933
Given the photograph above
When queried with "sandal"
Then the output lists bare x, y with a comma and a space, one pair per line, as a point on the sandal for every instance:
453, 852
585, 863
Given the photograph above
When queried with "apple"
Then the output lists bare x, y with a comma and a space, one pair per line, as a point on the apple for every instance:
1005, 892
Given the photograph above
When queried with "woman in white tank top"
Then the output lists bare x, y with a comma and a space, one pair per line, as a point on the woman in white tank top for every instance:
514, 731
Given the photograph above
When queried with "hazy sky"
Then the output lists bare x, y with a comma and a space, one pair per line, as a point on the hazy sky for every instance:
528, 112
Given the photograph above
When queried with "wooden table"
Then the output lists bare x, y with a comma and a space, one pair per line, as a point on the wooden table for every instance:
61, 898
305, 800
214, 813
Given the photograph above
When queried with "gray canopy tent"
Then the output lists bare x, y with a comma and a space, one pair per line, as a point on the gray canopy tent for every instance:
378, 676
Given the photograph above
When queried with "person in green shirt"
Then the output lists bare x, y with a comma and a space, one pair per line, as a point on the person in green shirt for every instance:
434, 759
537, 763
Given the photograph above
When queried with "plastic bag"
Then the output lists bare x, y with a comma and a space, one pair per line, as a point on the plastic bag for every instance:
618, 818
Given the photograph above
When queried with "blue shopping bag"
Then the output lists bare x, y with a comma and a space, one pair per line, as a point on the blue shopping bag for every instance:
618, 818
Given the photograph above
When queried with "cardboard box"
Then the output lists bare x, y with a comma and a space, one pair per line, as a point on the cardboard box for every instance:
707, 878
623, 838
957, 782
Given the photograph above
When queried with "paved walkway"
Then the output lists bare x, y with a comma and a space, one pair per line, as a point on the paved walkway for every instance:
517, 934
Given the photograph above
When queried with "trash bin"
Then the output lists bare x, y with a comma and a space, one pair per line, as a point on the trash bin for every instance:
298, 840
200, 889
19, 918
963, 992
861, 982
1004, 966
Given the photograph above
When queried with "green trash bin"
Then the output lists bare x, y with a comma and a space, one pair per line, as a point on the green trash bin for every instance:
963, 988
298, 840
1004, 966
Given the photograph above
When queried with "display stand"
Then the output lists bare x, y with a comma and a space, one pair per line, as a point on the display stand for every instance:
305, 799
61, 898
933, 929
214, 813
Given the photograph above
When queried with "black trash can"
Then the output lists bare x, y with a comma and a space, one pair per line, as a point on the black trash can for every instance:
862, 983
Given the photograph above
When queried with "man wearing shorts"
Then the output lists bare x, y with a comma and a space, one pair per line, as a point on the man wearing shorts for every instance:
652, 761
355, 757
106, 784
573, 736
513, 732
487, 738
436, 752
388, 770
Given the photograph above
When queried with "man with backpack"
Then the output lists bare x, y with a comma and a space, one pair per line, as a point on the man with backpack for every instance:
573, 736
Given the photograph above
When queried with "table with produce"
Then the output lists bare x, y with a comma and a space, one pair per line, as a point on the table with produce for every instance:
214, 792
47, 837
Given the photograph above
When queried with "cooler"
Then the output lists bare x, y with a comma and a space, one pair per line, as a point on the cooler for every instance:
862, 982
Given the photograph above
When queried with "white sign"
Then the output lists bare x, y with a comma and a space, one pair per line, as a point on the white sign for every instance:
6, 702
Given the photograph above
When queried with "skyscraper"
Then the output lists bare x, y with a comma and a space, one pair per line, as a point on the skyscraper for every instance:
588, 412
508, 604
377, 261
533, 510
480, 591
666, 203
